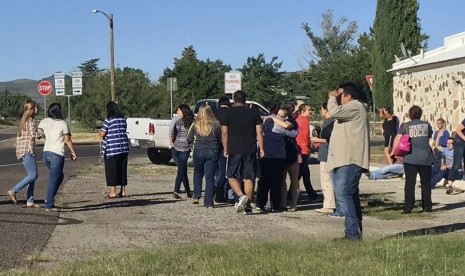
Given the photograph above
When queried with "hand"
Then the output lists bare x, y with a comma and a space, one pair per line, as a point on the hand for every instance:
73, 156
262, 153
333, 93
225, 153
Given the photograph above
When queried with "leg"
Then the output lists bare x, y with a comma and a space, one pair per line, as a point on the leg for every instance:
293, 170
199, 163
425, 179
409, 188
210, 165
123, 173
220, 182
304, 172
329, 201
177, 182
54, 163
111, 175
30, 165
387, 153
184, 156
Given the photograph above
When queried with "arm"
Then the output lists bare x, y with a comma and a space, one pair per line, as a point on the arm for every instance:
70, 145
224, 139
261, 148
437, 144
191, 134
281, 123
102, 133
172, 126
396, 143
459, 131
318, 140
342, 112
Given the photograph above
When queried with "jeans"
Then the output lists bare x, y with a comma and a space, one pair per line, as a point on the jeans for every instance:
55, 163
29, 162
387, 171
411, 172
180, 158
221, 182
438, 175
459, 156
205, 164
346, 180
271, 180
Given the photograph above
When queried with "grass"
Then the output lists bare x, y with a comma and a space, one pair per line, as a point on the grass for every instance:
426, 255
39, 258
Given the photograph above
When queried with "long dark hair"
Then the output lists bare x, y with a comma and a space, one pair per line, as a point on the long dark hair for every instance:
187, 115
54, 111
113, 110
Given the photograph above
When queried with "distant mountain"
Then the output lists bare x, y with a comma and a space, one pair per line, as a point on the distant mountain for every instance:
24, 86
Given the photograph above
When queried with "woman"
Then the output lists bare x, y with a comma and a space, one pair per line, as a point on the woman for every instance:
419, 160
180, 148
25, 141
440, 137
115, 150
303, 139
57, 134
205, 135
329, 202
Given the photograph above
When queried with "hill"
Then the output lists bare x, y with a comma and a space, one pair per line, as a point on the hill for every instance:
24, 86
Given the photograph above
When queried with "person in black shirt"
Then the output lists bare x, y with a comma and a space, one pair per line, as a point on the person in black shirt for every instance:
241, 130
222, 187
390, 127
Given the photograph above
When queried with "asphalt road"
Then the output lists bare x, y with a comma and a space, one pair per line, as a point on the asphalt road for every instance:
25, 231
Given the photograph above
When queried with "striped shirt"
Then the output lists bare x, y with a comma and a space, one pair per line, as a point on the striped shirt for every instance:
116, 138
25, 142
180, 139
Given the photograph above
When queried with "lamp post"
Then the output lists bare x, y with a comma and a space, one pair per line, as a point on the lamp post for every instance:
112, 53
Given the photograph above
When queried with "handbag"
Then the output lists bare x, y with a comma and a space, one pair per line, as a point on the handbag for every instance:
404, 147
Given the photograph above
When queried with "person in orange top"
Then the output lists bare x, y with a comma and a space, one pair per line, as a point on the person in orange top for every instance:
303, 143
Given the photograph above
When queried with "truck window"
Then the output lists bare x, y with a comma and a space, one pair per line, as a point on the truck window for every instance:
212, 104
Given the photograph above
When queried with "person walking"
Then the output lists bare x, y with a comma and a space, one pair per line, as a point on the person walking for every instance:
180, 148
418, 161
57, 134
25, 142
115, 150
205, 136
348, 154
241, 130
303, 144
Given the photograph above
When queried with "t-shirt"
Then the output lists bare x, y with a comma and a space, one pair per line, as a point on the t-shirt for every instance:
420, 132
323, 149
390, 126
444, 138
448, 157
116, 139
242, 135
54, 130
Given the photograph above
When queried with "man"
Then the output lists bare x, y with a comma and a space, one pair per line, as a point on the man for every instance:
222, 191
447, 160
390, 127
394, 170
241, 130
349, 154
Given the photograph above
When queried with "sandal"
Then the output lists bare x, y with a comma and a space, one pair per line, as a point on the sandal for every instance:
12, 197
32, 205
111, 197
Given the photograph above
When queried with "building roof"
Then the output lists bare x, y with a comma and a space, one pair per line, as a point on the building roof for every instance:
452, 51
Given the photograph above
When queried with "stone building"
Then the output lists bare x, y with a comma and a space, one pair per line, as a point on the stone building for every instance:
433, 80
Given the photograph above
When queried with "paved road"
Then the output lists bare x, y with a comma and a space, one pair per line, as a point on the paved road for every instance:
25, 231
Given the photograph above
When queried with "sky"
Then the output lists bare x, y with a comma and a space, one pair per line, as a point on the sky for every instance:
39, 38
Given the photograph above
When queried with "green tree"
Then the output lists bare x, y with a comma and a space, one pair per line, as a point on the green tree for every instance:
11, 104
396, 21
261, 79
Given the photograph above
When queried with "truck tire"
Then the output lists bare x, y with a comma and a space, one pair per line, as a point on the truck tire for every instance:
159, 157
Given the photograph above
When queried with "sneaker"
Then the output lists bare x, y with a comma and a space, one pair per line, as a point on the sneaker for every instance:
195, 201
450, 190
325, 210
51, 209
12, 196
335, 215
240, 205
176, 196
248, 211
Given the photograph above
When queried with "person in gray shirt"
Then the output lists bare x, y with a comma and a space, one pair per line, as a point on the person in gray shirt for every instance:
418, 160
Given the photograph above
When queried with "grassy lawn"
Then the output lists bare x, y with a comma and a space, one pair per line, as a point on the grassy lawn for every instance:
426, 255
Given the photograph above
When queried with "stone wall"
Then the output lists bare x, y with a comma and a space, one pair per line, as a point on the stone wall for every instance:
439, 92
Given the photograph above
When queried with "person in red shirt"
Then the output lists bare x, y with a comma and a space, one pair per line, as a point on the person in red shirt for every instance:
303, 143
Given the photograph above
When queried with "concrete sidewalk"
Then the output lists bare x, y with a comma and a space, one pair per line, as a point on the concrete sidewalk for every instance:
150, 217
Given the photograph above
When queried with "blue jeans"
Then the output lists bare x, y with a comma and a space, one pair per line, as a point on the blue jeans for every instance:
205, 164
221, 182
346, 180
180, 158
55, 163
29, 162
388, 171
459, 156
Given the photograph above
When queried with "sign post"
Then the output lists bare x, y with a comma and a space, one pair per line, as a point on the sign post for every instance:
232, 82
44, 88
172, 85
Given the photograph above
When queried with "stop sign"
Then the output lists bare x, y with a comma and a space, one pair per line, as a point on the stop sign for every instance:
44, 88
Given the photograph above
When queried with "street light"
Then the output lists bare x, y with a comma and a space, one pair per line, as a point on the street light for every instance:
112, 53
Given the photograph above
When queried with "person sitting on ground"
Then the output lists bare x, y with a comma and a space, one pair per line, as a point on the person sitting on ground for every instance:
442, 135
447, 161
390, 171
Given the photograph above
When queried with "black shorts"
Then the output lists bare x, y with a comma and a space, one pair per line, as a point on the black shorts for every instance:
241, 166
116, 170
389, 140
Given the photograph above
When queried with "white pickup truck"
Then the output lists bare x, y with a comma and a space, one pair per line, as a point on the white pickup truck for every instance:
153, 134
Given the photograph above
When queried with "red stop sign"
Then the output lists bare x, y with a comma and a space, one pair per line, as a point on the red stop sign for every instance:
44, 88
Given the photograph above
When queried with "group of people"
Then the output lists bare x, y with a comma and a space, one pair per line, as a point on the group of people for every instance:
236, 146
56, 132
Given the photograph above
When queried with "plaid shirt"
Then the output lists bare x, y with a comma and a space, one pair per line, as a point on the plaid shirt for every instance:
25, 142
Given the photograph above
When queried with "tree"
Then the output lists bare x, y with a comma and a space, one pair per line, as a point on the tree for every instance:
261, 79
331, 58
395, 22
11, 104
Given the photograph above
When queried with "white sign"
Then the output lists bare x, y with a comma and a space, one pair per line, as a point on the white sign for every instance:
77, 83
232, 82
59, 84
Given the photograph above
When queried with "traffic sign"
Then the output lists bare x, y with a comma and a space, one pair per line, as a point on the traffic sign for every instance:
77, 83
44, 88
232, 82
59, 84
